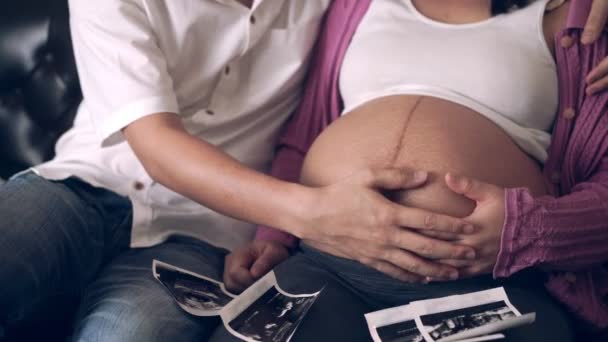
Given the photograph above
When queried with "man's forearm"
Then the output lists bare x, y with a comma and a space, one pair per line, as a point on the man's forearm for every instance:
286, 166
207, 175
351, 218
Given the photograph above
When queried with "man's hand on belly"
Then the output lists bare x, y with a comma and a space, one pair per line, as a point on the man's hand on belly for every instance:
488, 219
351, 219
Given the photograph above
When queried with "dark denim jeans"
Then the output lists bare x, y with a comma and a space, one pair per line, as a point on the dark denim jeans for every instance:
69, 238
351, 290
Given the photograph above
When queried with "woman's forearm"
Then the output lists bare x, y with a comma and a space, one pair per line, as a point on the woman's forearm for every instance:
565, 233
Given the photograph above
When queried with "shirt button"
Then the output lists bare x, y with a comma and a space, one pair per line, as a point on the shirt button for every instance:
252, 20
566, 42
570, 277
210, 112
556, 177
227, 70
569, 113
138, 186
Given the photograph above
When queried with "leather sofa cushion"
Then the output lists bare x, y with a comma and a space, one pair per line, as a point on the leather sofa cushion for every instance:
39, 90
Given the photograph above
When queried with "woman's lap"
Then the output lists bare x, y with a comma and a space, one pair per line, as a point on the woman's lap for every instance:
350, 290
337, 315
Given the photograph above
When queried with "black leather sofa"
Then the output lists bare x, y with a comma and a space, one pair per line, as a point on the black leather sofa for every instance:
39, 95
39, 91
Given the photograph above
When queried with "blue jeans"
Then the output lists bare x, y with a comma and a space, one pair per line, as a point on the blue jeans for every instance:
68, 238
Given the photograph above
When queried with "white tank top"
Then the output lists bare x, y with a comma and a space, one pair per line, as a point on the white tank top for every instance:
500, 67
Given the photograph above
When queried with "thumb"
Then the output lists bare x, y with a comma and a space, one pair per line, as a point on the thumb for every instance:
395, 179
270, 256
469, 187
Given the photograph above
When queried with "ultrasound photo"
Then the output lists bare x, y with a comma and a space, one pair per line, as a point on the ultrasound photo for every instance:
471, 317
445, 324
263, 312
400, 332
194, 293
273, 317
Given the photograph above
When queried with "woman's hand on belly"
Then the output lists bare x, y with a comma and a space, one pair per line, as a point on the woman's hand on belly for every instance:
488, 217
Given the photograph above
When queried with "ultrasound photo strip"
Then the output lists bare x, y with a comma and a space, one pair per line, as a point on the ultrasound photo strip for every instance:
194, 293
398, 325
477, 316
264, 312
394, 325
459, 317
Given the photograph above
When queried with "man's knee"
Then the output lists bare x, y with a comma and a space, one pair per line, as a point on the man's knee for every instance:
137, 311
126, 303
143, 323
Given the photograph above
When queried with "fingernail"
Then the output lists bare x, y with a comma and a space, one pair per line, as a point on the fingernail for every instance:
470, 255
420, 176
586, 38
454, 178
453, 275
469, 228
427, 280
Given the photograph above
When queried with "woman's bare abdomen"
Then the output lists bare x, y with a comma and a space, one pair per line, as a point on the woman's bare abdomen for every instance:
422, 133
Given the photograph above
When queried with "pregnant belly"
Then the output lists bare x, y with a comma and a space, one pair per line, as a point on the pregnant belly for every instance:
422, 133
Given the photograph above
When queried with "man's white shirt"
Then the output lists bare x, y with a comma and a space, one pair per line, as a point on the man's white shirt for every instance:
233, 74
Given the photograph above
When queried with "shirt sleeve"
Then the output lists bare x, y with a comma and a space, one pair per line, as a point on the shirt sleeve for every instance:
122, 70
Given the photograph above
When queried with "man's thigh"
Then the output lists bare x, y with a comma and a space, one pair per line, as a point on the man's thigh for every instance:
337, 315
53, 238
126, 303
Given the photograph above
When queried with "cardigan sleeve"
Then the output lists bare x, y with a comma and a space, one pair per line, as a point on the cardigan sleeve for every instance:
564, 233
